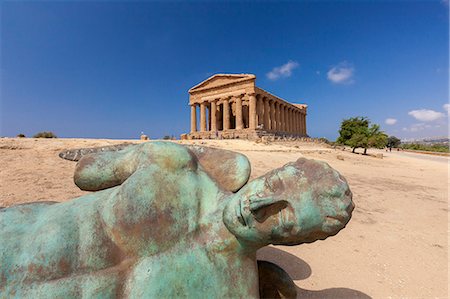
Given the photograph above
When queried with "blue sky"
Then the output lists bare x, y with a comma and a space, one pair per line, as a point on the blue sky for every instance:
115, 69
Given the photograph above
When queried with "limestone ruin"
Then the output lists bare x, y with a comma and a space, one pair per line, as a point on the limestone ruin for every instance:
231, 106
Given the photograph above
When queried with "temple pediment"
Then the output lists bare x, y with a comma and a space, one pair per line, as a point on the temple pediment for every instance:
221, 80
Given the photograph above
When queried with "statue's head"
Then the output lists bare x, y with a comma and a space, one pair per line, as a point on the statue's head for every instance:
301, 202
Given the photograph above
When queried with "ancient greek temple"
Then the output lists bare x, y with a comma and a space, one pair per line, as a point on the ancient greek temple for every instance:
231, 106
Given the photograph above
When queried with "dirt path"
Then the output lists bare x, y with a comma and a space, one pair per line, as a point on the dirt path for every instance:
443, 159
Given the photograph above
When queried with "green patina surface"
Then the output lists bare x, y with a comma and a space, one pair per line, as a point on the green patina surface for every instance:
169, 221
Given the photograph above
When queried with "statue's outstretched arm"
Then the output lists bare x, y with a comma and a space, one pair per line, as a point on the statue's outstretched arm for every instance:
106, 169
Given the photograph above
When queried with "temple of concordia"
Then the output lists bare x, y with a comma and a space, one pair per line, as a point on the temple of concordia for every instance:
231, 106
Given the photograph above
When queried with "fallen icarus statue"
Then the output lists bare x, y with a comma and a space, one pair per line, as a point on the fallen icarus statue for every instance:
171, 221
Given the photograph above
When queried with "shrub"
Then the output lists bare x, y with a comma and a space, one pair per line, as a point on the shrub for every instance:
443, 148
45, 135
21, 135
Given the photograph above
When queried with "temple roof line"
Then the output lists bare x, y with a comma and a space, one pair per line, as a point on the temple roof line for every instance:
260, 90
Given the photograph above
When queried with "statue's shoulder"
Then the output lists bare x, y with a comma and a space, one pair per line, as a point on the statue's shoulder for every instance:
231, 170
163, 148
166, 154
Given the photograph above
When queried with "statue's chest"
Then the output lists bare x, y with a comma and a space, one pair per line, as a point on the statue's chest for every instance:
193, 274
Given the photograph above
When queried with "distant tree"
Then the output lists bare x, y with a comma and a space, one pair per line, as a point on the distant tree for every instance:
356, 132
393, 141
45, 135
21, 135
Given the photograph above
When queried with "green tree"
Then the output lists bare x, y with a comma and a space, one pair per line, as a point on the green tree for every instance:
357, 132
393, 141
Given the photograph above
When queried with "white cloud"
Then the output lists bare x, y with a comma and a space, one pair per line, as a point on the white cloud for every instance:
341, 73
390, 121
426, 114
282, 71
418, 127
447, 108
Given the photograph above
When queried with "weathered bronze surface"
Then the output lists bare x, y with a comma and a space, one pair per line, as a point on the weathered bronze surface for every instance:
77, 154
168, 221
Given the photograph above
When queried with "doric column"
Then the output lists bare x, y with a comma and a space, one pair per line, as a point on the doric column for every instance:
294, 129
259, 110
238, 101
202, 117
304, 124
213, 116
282, 118
290, 120
279, 117
252, 111
297, 118
286, 118
208, 122
226, 114
275, 116
301, 124
266, 113
193, 118
300, 129
294, 121
272, 115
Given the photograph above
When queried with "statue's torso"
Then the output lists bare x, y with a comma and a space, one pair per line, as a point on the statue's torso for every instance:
193, 271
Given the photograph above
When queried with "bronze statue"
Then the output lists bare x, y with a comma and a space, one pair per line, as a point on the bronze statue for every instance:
167, 221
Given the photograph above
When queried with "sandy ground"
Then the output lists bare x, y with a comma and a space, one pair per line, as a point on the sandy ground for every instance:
395, 246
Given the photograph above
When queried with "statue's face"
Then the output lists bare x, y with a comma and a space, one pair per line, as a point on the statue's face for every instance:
299, 203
